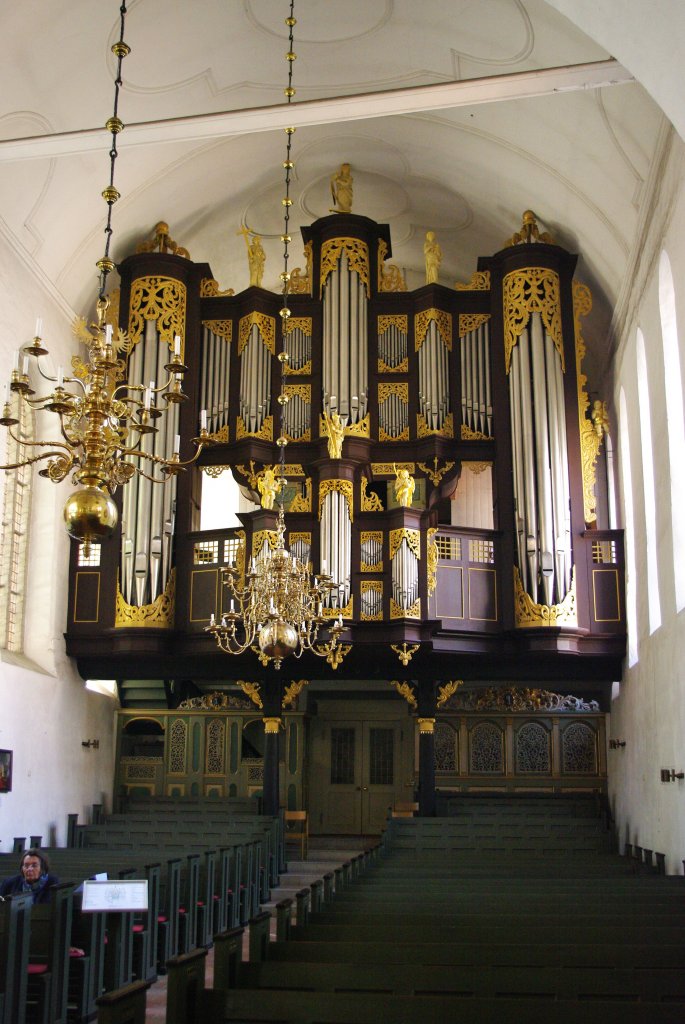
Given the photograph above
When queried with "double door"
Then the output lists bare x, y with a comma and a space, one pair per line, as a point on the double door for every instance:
358, 768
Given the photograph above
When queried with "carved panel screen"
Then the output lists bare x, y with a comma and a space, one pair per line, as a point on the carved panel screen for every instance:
215, 746
446, 741
579, 749
487, 749
532, 748
178, 738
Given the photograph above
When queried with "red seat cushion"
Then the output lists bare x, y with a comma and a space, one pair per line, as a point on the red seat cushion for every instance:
37, 968
138, 928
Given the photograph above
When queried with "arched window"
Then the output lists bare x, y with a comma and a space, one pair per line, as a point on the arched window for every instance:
648, 485
674, 419
629, 523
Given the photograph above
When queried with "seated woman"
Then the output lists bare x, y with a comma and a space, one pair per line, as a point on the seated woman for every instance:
34, 876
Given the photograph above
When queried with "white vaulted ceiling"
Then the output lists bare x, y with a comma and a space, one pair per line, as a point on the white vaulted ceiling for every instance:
465, 164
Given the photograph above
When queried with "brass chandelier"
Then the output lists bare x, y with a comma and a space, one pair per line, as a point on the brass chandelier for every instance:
278, 609
102, 417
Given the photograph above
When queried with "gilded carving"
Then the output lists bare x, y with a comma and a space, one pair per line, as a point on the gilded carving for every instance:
346, 612
209, 288
513, 698
435, 475
266, 325
402, 367
423, 430
390, 468
293, 691
375, 538
442, 319
471, 322
448, 690
162, 241
467, 434
528, 291
372, 587
531, 615
405, 690
221, 328
406, 652
357, 253
389, 277
360, 429
529, 232
426, 726
335, 657
590, 436
301, 284
304, 393
220, 435
266, 431
260, 537
303, 502
412, 537
158, 615
432, 560
214, 701
480, 282
251, 690
397, 612
345, 488
163, 300
388, 320
370, 502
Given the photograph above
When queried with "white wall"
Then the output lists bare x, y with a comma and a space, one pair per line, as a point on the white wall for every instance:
649, 711
45, 710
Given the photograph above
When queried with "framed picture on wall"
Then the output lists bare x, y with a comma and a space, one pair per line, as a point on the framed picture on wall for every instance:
5, 771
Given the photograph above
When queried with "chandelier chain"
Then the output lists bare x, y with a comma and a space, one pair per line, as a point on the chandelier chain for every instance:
114, 125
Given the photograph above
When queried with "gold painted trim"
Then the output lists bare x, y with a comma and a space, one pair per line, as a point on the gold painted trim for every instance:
448, 690
163, 300
388, 320
528, 291
431, 560
209, 288
346, 612
293, 691
435, 475
471, 322
301, 284
389, 278
365, 537
79, 573
251, 690
266, 325
423, 319
360, 429
345, 487
390, 468
158, 615
298, 323
590, 436
193, 572
473, 435
357, 253
258, 539
476, 467
272, 726
594, 596
530, 615
402, 367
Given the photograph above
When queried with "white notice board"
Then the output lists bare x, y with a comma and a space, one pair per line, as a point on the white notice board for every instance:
113, 896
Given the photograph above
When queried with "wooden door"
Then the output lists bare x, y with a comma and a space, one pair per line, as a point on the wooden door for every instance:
358, 768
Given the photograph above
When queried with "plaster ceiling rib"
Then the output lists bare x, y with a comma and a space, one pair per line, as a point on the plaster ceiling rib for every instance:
340, 109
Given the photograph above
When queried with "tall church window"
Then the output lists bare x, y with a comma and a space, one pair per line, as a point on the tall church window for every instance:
629, 520
16, 512
674, 419
648, 486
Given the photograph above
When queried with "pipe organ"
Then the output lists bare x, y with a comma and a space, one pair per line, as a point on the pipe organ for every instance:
427, 385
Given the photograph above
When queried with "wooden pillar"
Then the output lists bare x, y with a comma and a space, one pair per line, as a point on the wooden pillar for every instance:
272, 691
426, 720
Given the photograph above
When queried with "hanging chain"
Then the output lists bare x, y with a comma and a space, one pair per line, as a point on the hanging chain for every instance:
114, 124
287, 202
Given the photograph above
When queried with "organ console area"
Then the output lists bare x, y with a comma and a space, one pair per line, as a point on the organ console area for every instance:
442, 465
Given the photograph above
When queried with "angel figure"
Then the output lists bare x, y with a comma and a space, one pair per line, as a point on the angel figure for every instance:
600, 418
341, 190
336, 434
268, 487
433, 256
404, 487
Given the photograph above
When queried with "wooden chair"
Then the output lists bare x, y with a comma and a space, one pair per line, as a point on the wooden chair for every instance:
404, 809
297, 829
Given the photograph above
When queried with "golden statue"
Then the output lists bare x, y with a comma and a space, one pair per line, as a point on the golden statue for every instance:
268, 487
404, 487
256, 257
341, 190
433, 256
336, 433
600, 418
